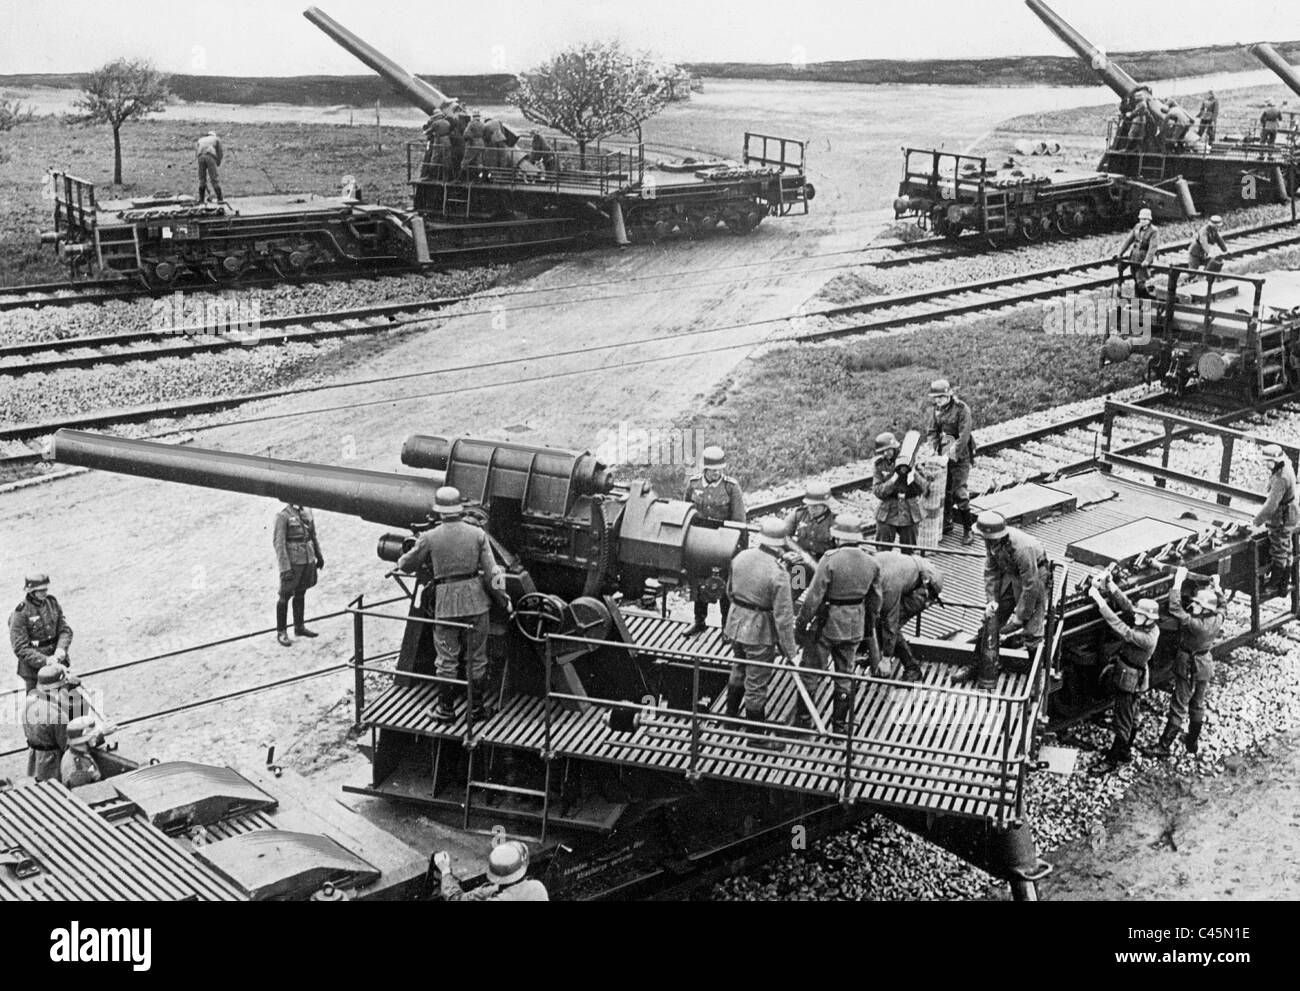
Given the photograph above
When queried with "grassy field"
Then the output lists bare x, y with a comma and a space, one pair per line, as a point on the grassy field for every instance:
158, 155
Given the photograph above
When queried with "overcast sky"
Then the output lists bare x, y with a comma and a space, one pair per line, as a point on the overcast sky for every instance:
270, 37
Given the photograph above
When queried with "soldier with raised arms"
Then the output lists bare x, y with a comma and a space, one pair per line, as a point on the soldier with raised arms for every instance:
1128, 675
1199, 624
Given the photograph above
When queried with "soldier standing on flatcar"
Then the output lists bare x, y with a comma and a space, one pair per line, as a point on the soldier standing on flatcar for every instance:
1281, 515
465, 580
808, 528
950, 430
908, 585
38, 632
210, 154
839, 611
474, 148
1198, 254
761, 620
297, 552
1139, 249
1208, 116
1269, 121
78, 766
1198, 628
1178, 123
717, 497
494, 137
438, 155
1129, 676
899, 489
46, 715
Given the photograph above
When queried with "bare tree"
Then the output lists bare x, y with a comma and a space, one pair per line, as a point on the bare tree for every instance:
13, 114
591, 91
122, 90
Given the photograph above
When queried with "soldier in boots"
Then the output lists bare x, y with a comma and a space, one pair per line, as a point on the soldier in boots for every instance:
465, 581
1128, 674
1281, 515
1198, 628
716, 497
38, 632
899, 489
297, 551
950, 431
839, 611
760, 621
908, 585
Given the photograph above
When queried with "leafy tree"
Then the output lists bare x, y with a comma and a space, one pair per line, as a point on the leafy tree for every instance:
122, 90
13, 114
591, 91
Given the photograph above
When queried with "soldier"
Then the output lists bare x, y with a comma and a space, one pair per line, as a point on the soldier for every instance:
1281, 515
438, 154
507, 865
1208, 116
46, 715
1198, 254
908, 585
465, 581
808, 528
494, 137
1198, 627
543, 155
1016, 576
209, 153
760, 621
1129, 674
1178, 123
899, 488
717, 497
839, 611
474, 148
951, 432
1269, 121
38, 632
1139, 249
78, 766
297, 552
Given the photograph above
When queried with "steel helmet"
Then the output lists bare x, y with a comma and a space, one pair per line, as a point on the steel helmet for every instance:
940, 388
847, 528
1271, 453
991, 525
35, 582
507, 863
1144, 214
772, 534
817, 494
446, 501
1206, 600
51, 674
715, 458
1148, 609
81, 730
886, 442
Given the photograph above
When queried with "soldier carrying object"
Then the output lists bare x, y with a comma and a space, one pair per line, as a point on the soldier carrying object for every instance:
1281, 515
1198, 628
1128, 674
46, 715
760, 621
506, 877
717, 497
466, 580
38, 632
78, 766
950, 430
1269, 121
1198, 254
1139, 249
808, 528
840, 611
297, 552
210, 154
1208, 116
908, 585
899, 488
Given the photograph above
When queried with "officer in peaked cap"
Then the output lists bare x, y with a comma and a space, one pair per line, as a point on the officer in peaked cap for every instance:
298, 555
466, 579
716, 497
1281, 515
38, 631
808, 527
507, 879
899, 489
1129, 675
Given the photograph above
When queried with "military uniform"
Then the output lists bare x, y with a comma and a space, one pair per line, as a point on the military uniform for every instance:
463, 569
905, 582
841, 608
474, 148
811, 532
761, 619
720, 501
526, 890
1269, 121
1281, 514
78, 768
1193, 664
1016, 573
1139, 249
209, 154
297, 552
36, 631
46, 715
899, 512
955, 423
1131, 676
1198, 255
1208, 116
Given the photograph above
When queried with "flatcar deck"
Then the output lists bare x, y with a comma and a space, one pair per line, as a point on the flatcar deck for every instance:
110, 212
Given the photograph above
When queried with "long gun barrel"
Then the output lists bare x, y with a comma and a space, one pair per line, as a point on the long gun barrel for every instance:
1270, 56
1124, 85
420, 94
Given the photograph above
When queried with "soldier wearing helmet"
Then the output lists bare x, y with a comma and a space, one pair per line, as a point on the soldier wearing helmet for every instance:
760, 621
1281, 515
808, 528
1128, 674
297, 553
507, 879
1198, 253
78, 766
38, 632
49, 708
1198, 627
716, 497
839, 612
908, 586
950, 430
899, 488
1016, 577
465, 581
1140, 250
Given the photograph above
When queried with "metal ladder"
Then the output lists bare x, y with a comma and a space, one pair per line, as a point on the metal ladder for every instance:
449, 201
995, 213
1271, 367
544, 793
